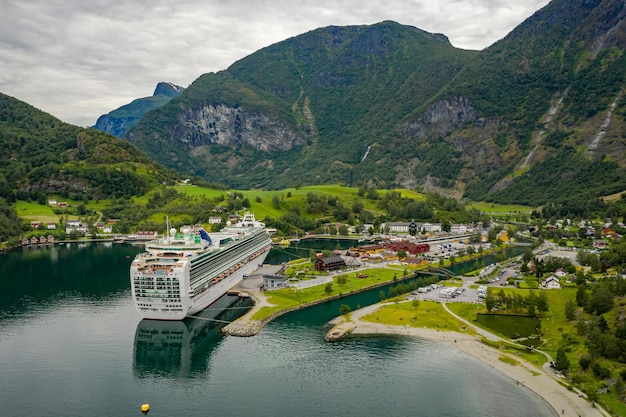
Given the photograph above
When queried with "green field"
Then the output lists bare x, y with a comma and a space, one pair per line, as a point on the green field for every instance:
496, 208
295, 196
290, 298
429, 314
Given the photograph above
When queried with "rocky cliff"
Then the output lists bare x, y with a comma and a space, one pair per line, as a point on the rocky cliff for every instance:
538, 115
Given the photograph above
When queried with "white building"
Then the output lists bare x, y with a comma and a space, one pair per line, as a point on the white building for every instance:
458, 229
561, 273
274, 282
551, 283
74, 226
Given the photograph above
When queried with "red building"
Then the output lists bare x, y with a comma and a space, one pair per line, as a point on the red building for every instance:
408, 247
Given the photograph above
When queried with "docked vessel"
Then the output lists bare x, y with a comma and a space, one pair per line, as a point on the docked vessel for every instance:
183, 273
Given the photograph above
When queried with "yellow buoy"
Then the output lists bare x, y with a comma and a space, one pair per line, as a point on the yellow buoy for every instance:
145, 408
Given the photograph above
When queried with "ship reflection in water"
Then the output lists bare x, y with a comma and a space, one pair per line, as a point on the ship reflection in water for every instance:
181, 349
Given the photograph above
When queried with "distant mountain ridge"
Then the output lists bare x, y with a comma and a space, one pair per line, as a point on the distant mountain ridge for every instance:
538, 116
118, 121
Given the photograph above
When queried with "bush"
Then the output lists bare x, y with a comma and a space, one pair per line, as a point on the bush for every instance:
600, 370
585, 362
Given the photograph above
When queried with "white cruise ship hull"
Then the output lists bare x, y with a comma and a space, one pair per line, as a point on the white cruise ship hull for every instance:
180, 276
165, 309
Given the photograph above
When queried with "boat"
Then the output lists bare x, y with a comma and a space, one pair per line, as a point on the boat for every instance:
186, 271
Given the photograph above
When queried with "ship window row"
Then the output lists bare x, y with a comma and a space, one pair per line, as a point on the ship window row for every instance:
174, 282
205, 274
221, 261
256, 240
167, 297
158, 287
168, 300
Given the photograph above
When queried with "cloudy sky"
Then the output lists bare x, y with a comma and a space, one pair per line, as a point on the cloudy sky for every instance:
79, 59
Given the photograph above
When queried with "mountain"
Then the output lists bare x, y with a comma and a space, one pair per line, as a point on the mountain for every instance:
303, 110
42, 155
550, 107
118, 121
536, 117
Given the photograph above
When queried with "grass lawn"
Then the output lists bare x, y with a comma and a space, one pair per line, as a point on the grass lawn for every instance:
194, 190
429, 314
486, 207
35, 211
289, 297
292, 196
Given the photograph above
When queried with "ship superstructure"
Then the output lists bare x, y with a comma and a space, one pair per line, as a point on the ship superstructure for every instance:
185, 272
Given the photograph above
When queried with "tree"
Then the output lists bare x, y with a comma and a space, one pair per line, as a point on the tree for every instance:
601, 299
570, 310
490, 300
344, 309
542, 302
582, 297
561, 363
275, 202
328, 288
415, 303
342, 279
381, 295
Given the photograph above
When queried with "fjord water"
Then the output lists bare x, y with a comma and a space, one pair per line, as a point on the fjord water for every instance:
71, 344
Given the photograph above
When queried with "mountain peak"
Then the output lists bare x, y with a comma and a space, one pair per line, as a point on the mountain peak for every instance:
118, 121
168, 89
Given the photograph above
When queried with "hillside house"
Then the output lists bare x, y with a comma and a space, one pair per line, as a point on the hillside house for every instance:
550, 283
561, 273
74, 226
600, 244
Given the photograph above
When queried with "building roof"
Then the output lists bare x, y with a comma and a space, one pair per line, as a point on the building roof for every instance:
332, 259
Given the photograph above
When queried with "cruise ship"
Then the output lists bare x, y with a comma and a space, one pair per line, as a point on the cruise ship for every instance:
183, 273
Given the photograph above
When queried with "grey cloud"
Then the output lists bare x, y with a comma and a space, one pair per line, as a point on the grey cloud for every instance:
78, 60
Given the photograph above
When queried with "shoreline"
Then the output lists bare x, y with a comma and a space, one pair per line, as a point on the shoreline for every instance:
542, 382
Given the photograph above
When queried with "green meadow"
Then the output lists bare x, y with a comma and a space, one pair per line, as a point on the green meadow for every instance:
486, 207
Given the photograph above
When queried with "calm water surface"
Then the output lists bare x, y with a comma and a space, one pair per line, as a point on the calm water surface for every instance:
71, 344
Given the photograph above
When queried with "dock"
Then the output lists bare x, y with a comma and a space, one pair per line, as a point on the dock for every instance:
250, 287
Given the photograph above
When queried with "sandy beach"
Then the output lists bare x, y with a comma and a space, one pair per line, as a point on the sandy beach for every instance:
543, 382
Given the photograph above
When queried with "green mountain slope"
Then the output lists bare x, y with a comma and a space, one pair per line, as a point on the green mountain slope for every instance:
536, 117
549, 104
43, 155
303, 110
